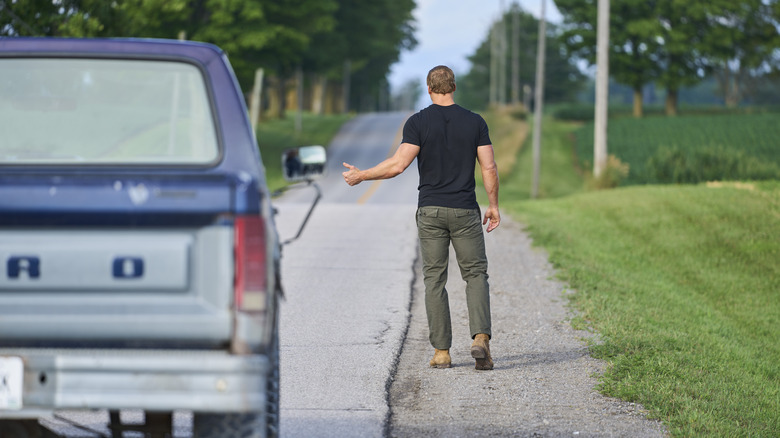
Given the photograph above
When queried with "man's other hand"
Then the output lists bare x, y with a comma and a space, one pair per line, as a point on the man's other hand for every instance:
493, 217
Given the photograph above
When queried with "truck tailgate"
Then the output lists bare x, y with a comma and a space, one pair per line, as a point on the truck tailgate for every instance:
117, 273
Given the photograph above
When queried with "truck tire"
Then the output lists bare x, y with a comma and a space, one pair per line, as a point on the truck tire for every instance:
246, 425
20, 429
227, 425
273, 391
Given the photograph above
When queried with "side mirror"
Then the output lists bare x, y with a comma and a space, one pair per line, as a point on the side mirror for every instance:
304, 163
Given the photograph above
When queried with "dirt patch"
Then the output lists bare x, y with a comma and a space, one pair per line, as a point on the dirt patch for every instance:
735, 185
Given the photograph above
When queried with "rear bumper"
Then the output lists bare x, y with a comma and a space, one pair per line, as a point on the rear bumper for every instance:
153, 380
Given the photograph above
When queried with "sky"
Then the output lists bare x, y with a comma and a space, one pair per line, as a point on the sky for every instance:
449, 31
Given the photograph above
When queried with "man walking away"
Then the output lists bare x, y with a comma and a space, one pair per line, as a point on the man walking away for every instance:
447, 141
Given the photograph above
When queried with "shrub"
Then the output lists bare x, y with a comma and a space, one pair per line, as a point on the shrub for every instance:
612, 175
519, 113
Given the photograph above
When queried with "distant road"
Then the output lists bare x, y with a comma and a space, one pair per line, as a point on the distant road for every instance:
363, 142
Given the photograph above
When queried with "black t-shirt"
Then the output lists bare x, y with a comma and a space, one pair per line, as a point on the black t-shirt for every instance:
448, 137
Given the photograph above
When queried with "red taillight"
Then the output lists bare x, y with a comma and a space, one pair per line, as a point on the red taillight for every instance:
250, 282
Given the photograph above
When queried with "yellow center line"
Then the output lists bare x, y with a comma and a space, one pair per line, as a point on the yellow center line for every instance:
375, 184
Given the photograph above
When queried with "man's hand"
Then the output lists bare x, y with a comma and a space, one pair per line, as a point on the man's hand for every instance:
351, 176
492, 215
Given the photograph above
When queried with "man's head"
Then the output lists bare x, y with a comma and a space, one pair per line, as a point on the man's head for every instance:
441, 80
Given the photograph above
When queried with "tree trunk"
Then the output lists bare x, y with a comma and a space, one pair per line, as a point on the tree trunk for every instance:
737, 96
332, 99
722, 76
729, 82
638, 101
347, 75
733, 91
274, 103
319, 85
277, 98
291, 94
671, 102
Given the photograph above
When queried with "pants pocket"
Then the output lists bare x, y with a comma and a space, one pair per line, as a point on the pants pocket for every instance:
428, 212
430, 225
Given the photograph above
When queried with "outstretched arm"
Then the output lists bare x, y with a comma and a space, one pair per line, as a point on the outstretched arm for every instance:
487, 164
389, 168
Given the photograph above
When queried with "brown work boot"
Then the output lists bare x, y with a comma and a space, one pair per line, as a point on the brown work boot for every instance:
480, 350
441, 359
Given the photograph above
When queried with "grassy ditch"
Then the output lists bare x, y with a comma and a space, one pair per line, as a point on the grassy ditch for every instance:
682, 283
512, 143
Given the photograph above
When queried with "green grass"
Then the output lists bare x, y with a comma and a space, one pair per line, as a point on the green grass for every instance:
691, 148
682, 283
274, 136
556, 154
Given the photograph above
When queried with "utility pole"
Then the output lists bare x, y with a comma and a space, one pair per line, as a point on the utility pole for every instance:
254, 100
602, 89
515, 54
345, 85
299, 96
538, 102
493, 65
502, 44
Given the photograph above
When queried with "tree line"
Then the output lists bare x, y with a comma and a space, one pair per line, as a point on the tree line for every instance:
668, 43
342, 48
676, 43
515, 37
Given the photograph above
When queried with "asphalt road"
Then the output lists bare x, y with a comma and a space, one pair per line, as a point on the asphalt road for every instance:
347, 283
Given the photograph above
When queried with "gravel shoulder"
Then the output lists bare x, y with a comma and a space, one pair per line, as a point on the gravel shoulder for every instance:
543, 384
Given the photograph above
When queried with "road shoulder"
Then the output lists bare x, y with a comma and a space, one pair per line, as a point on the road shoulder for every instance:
544, 380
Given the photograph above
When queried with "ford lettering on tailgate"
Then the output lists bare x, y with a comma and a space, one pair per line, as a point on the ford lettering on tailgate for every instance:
85, 261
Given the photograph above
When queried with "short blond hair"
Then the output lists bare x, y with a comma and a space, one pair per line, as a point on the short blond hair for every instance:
441, 80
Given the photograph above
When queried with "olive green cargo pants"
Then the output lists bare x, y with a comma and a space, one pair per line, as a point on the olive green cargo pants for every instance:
436, 228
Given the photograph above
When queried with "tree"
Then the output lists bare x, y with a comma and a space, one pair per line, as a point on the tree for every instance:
682, 50
406, 98
277, 35
362, 46
679, 42
563, 79
744, 42
34, 17
633, 46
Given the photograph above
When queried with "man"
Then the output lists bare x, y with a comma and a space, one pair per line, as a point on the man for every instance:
447, 140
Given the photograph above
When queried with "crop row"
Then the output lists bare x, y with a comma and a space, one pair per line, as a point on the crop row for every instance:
690, 149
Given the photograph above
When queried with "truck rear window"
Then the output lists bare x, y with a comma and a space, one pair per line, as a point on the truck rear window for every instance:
112, 111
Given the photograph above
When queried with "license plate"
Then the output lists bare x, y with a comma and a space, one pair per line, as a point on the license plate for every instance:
11, 372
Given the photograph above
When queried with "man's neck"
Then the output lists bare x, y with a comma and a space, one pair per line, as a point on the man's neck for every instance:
442, 99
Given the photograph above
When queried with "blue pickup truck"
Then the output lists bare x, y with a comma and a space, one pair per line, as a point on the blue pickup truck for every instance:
139, 261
